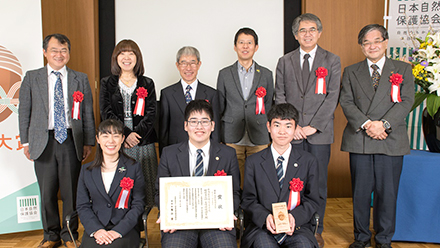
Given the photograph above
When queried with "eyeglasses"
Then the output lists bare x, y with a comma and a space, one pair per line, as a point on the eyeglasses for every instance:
304, 31
195, 123
369, 44
184, 64
63, 52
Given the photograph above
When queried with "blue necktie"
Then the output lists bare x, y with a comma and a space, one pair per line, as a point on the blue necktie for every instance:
188, 97
282, 236
280, 173
59, 113
198, 171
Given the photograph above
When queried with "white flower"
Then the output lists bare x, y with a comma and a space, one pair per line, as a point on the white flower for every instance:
434, 68
428, 53
435, 39
435, 86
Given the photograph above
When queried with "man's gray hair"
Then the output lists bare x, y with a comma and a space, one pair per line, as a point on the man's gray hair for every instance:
306, 17
187, 51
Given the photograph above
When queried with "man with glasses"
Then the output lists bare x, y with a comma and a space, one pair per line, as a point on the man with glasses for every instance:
309, 79
174, 98
377, 95
199, 156
243, 112
57, 132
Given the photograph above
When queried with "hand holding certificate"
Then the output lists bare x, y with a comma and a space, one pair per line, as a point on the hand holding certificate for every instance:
196, 202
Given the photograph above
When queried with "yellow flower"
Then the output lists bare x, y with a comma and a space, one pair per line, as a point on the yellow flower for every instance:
418, 71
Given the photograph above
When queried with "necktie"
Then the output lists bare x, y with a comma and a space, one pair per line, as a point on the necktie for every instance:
282, 236
280, 173
376, 76
198, 171
188, 97
306, 70
59, 114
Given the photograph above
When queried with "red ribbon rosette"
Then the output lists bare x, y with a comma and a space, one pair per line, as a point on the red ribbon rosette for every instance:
396, 79
320, 87
126, 184
259, 106
78, 97
220, 173
296, 185
141, 93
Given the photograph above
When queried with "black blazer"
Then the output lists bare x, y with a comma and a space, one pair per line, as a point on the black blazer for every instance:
261, 189
96, 208
172, 111
111, 106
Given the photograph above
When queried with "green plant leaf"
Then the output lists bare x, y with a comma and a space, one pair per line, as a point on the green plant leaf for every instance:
418, 99
432, 104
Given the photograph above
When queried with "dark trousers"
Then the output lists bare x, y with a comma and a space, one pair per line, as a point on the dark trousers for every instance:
207, 238
380, 174
322, 154
266, 240
58, 168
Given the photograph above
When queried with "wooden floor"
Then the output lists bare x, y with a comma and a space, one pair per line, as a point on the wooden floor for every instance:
338, 230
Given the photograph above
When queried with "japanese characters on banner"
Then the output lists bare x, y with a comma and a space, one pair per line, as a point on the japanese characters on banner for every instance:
20, 51
411, 18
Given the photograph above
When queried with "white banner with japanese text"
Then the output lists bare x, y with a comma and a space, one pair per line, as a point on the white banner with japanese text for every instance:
411, 18
20, 51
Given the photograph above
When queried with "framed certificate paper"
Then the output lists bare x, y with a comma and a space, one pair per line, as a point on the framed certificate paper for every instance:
196, 202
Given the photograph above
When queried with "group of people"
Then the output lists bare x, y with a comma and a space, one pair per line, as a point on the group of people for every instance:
273, 139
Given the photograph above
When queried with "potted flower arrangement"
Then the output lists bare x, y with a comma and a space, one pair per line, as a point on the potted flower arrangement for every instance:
426, 70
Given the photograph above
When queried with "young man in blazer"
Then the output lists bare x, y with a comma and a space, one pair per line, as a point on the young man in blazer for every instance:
56, 139
174, 98
309, 78
375, 135
267, 180
180, 160
242, 120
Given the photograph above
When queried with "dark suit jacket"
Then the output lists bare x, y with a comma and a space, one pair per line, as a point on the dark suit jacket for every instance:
172, 110
174, 162
34, 111
360, 102
315, 110
96, 208
238, 115
261, 189
111, 105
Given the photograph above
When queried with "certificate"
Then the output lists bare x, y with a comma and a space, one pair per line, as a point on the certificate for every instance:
196, 202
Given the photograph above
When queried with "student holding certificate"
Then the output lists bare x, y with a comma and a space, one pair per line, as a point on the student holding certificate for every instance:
199, 157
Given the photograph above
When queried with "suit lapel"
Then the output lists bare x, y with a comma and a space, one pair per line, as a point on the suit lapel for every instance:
179, 96
72, 86
234, 72
269, 168
384, 88
214, 159
291, 172
183, 159
201, 92
97, 179
364, 79
119, 174
317, 62
43, 85
256, 82
296, 61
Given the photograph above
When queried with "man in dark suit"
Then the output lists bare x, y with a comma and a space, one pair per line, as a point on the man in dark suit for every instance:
309, 78
174, 98
180, 160
268, 179
243, 119
56, 136
377, 94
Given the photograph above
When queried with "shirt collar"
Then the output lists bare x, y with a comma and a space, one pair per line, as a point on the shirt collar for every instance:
285, 155
242, 69
193, 149
193, 85
311, 53
379, 63
62, 70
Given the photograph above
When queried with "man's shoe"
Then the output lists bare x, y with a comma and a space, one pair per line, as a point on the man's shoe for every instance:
70, 244
385, 245
320, 240
360, 244
49, 244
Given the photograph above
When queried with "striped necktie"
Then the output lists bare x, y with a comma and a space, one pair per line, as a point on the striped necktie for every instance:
59, 114
280, 172
198, 171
